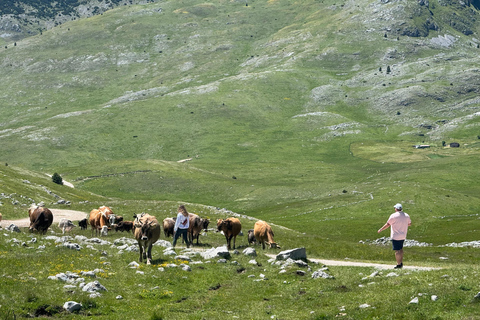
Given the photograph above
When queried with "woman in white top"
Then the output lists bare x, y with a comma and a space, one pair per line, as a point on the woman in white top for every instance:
181, 226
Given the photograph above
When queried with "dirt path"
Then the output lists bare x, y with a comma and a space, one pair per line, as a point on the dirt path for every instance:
347, 263
57, 215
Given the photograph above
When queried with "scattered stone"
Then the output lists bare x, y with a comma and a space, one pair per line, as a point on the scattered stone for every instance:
250, 252
294, 254
374, 274
414, 301
211, 253
119, 297
392, 274
72, 306
185, 267
169, 252
74, 246
364, 306
94, 286
384, 241
434, 298
13, 228
321, 274
133, 264
90, 274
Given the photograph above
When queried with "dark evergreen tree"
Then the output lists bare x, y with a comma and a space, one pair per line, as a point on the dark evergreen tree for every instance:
56, 178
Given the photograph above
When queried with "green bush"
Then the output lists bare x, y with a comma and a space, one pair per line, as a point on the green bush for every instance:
56, 178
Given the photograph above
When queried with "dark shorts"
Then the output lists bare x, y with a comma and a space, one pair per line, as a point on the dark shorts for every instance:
397, 244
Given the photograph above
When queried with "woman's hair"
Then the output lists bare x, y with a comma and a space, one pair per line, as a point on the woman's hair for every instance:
183, 210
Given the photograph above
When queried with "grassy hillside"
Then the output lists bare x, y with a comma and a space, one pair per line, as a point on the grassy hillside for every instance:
304, 114
301, 113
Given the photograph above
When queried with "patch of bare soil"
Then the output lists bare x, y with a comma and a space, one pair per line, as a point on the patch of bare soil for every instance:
347, 263
58, 214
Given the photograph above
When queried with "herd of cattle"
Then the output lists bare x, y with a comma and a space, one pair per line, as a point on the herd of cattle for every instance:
146, 228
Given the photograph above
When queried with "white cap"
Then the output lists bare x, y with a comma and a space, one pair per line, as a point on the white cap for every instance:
398, 206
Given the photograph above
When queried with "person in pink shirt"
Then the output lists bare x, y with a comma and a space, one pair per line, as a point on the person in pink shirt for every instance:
398, 222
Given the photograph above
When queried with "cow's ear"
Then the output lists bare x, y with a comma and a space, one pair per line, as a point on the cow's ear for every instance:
134, 216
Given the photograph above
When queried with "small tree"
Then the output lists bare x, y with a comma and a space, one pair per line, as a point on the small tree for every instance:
56, 178
388, 69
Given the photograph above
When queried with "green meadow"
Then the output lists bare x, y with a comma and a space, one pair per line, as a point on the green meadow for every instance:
274, 110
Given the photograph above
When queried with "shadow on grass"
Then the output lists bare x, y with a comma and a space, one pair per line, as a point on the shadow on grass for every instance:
158, 261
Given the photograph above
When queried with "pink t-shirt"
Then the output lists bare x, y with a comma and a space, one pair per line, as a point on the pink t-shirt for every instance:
399, 222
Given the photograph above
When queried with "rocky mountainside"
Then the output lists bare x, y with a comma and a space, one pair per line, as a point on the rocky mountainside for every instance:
299, 74
23, 18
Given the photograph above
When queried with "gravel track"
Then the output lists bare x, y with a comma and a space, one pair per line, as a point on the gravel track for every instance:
57, 215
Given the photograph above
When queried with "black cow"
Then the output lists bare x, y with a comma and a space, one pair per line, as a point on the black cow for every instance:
124, 226
83, 224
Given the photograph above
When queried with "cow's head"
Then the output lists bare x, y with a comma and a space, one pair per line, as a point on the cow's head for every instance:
104, 231
145, 230
219, 224
273, 245
224, 225
205, 223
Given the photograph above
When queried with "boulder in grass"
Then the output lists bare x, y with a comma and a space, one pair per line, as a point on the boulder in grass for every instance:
94, 286
72, 306
221, 252
294, 254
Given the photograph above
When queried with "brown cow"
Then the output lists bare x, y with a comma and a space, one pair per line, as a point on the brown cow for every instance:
40, 219
100, 219
231, 227
195, 227
168, 226
147, 232
124, 226
264, 234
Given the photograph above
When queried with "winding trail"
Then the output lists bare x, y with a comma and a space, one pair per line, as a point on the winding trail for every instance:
347, 263
58, 214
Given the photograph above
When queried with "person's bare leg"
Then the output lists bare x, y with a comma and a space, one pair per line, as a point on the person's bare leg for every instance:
399, 256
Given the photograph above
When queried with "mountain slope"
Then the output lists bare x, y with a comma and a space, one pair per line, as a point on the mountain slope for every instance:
272, 93
24, 18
